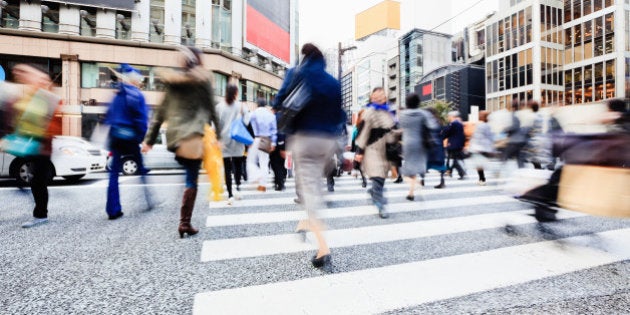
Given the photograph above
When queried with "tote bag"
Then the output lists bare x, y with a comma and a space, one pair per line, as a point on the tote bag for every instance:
295, 102
239, 132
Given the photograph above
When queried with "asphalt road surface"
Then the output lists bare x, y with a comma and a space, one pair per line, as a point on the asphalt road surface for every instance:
464, 249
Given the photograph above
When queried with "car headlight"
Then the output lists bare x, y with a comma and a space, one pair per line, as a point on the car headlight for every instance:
74, 151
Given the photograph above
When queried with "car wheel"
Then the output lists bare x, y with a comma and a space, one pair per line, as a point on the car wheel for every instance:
73, 178
130, 166
23, 172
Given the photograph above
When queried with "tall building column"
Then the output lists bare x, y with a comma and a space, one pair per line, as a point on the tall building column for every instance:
536, 52
238, 30
105, 23
69, 20
173, 23
620, 48
30, 16
71, 94
203, 31
141, 21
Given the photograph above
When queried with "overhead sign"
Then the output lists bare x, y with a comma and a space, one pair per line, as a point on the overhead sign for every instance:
268, 26
125, 5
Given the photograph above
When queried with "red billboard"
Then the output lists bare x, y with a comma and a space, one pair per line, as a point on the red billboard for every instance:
268, 27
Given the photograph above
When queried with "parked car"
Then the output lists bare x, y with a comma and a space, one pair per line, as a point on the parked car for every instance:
72, 158
157, 158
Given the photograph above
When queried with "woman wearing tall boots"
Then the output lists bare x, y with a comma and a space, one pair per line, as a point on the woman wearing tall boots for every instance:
187, 106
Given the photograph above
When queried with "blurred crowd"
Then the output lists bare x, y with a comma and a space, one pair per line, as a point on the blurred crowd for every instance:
303, 132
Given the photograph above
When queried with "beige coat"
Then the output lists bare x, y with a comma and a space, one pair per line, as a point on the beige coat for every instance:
375, 163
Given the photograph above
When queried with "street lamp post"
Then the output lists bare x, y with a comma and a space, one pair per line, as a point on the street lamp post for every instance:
341, 51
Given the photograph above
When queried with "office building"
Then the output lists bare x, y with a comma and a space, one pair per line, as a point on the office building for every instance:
558, 52
248, 42
420, 52
462, 85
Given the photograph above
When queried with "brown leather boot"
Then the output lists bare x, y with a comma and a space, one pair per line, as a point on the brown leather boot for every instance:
188, 203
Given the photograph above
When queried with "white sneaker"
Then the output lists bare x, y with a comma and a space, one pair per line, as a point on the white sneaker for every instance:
230, 201
34, 222
481, 183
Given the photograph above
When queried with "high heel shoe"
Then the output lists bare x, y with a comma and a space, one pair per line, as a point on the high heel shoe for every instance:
187, 229
321, 261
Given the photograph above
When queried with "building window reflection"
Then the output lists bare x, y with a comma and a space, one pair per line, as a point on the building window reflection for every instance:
99, 75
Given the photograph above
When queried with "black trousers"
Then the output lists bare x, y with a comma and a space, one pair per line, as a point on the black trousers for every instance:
456, 156
277, 166
42, 173
233, 165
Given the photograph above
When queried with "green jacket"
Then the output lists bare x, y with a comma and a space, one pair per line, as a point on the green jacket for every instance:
187, 106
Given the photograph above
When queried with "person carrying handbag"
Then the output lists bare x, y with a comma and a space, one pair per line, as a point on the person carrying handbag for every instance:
188, 106
232, 111
23, 120
264, 124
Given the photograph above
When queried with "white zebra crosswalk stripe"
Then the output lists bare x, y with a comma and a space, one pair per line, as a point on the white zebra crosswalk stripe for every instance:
283, 216
359, 195
288, 243
393, 287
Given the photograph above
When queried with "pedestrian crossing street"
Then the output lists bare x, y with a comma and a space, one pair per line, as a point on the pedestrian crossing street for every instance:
444, 246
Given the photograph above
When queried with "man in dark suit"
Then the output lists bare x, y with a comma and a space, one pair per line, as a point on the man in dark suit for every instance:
454, 132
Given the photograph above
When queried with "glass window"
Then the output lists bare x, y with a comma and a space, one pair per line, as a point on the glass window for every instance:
156, 31
610, 79
588, 7
123, 25
220, 83
188, 22
10, 17
50, 17
98, 75
221, 23
577, 9
88, 21
597, 5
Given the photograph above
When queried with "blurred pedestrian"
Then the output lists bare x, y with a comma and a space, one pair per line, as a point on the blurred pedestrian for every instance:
311, 137
414, 122
336, 162
187, 107
454, 133
482, 146
355, 133
127, 117
277, 160
372, 142
34, 116
436, 156
516, 138
233, 151
265, 139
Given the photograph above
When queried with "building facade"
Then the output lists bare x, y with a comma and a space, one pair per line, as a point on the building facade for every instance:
420, 52
558, 52
459, 84
393, 84
247, 42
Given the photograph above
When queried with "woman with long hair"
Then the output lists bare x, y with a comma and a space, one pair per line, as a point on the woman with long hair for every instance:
233, 151
188, 106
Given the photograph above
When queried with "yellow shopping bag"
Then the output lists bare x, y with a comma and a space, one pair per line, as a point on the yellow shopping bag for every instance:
213, 163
